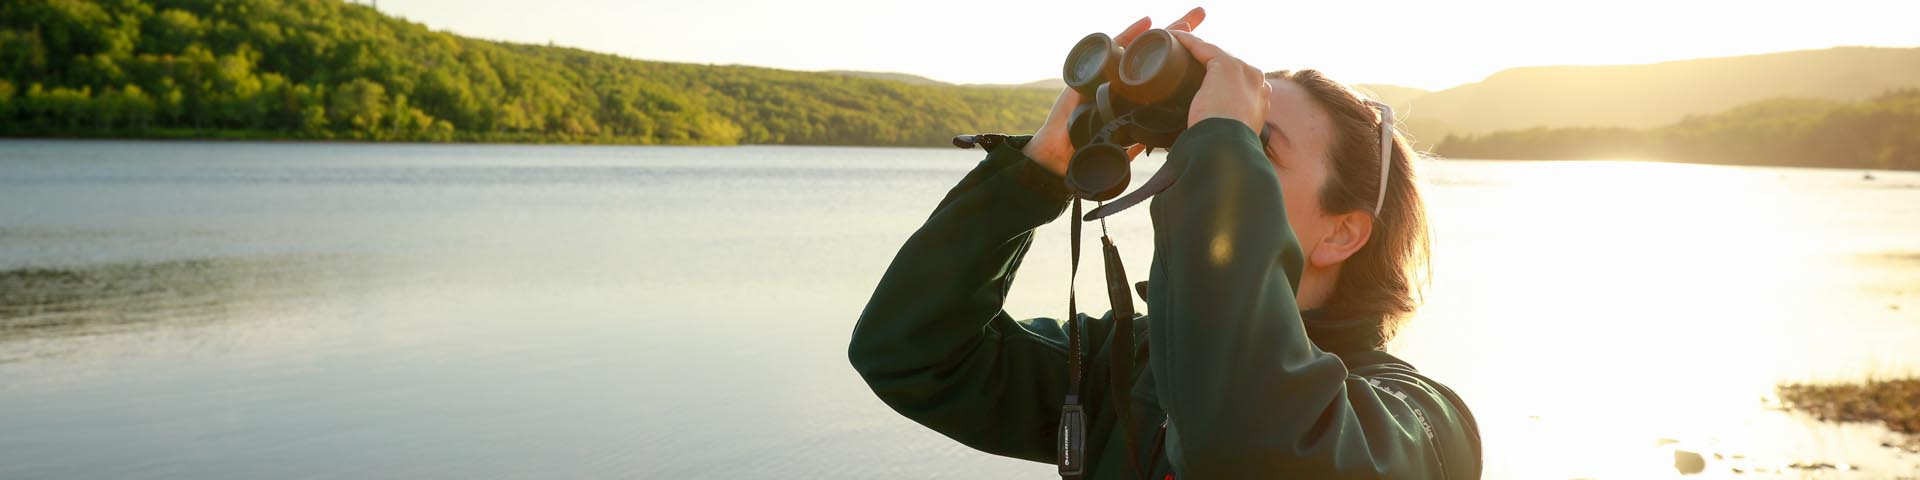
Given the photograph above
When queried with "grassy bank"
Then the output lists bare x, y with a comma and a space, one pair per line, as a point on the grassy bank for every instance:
1893, 402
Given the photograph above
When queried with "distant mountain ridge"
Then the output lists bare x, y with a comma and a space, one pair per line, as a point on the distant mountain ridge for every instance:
1395, 95
1627, 96
908, 78
1880, 133
1648, 95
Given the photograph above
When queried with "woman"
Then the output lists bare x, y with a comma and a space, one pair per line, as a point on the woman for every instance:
1279, 273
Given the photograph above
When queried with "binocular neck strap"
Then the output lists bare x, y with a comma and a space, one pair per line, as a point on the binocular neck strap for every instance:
1159, 183
1074, 351
1120, 349
1120, 355
1072, 441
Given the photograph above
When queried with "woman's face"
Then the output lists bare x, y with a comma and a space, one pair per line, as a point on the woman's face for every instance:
1298, 134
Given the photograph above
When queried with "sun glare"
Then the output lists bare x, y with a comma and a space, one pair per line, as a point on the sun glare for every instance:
1639, 308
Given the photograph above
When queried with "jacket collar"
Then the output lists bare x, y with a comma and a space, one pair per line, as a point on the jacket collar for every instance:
1339, 336
1342, 335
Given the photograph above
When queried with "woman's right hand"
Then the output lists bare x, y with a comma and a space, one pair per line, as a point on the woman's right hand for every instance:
1051, 147
1232, 89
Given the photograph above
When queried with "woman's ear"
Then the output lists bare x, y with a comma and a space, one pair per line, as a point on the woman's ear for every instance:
1349, 232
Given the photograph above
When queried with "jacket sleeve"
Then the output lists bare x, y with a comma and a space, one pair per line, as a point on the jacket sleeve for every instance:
1247, 394
934, 343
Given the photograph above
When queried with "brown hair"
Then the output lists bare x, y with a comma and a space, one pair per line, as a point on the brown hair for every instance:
1380, 285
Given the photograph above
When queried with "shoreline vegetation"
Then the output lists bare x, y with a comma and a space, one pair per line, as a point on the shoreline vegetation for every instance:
1894, 403
230, 135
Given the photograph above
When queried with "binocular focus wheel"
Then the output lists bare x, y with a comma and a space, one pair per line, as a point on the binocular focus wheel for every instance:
1156, 126
1122, 136
1099, 172
1111, 107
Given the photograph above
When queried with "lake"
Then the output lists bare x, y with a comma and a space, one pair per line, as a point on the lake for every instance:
293, 310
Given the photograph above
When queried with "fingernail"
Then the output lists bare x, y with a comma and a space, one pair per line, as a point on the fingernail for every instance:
1183, 26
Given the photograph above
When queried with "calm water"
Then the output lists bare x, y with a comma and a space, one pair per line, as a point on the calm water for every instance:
243, 310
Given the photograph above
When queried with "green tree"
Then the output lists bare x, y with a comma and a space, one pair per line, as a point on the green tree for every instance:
6, 98
359, 105
172, 31
313, 110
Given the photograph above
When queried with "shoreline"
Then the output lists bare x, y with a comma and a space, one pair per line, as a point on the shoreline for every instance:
1894, 403
250, 137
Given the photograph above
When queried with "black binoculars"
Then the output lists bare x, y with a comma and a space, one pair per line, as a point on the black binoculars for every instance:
1138, 94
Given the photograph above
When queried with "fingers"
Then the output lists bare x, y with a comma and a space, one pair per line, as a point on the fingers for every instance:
1134, 151
1133, 31
1188, 22
1063, 106
1202, 51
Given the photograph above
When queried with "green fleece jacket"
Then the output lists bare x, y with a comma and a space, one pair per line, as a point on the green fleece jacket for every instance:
1234, 387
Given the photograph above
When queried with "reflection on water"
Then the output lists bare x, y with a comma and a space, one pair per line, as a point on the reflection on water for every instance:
46, 304
244, 310
61, 311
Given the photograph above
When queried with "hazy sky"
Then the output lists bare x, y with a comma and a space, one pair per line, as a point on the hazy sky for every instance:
1427, 44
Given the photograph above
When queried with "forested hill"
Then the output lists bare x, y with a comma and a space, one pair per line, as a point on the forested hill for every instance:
330, 69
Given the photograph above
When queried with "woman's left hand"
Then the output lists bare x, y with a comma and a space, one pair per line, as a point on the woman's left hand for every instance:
1232, 89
